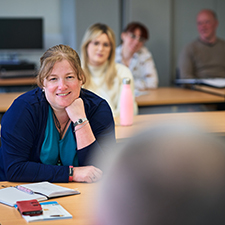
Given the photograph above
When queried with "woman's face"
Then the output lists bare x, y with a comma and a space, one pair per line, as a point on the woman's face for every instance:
132, 42
98, 50
62, 86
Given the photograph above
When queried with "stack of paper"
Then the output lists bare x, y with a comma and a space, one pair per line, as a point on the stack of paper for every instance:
51, 211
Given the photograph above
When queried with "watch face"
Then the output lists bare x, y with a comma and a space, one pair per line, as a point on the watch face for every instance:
80, 120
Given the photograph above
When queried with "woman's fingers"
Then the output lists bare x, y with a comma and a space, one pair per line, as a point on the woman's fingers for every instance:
86, 174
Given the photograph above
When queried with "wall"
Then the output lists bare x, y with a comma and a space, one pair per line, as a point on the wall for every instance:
156, 15
87, 12
171, 23
49, 10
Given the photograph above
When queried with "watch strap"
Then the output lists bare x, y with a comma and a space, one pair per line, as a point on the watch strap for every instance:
70, 173
80, 121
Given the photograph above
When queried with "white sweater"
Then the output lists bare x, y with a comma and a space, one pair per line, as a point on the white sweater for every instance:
112, 96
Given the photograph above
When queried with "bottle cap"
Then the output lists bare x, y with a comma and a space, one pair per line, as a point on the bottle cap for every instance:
126, 80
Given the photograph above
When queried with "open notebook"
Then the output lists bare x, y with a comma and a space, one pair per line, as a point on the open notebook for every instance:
40, 191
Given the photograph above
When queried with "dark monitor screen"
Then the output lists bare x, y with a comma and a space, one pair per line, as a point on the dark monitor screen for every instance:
21, 33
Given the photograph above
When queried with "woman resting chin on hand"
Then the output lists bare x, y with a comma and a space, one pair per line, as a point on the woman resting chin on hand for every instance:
54, 132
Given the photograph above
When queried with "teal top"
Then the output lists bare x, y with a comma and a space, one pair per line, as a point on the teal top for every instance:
55, 150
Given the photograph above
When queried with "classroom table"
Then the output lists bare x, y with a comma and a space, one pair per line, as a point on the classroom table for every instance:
6, 100
21, 81
210, 90
155, 97
21, 84
211, 122
175, 95
80, 206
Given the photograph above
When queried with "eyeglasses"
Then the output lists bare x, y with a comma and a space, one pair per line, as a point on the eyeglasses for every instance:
138, 38
97, 44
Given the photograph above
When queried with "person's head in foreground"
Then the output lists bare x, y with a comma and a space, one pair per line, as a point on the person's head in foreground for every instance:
168, 175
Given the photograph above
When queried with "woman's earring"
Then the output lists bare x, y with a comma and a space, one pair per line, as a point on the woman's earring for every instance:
43, 90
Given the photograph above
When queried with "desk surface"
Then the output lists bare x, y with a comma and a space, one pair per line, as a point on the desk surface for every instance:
160, 96
211, 122
174, 95
211, 90
18, 81
6, 100
77, 205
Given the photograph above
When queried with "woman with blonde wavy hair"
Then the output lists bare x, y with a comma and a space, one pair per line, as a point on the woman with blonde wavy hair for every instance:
103, 76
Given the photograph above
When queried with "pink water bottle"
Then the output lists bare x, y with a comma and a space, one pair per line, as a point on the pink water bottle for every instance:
126, 104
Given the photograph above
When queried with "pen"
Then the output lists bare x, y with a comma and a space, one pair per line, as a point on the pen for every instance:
27, 190
56, 215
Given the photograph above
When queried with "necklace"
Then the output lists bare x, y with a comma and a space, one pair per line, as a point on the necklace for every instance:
58, 125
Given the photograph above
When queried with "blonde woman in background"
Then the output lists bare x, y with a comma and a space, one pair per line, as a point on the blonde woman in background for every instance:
103, 75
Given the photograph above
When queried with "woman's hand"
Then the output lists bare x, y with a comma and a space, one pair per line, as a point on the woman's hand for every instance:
87, 174
83, 132
76, 110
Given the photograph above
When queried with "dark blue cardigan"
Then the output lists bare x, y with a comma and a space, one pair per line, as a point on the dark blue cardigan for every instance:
23, 131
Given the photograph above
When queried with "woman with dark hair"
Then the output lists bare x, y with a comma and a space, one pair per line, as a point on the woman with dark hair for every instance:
133, 54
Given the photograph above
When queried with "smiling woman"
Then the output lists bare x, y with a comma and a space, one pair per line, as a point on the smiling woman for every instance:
104, 76
61, 86
54, 132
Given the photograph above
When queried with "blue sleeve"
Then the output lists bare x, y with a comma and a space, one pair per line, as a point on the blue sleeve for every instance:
22, 129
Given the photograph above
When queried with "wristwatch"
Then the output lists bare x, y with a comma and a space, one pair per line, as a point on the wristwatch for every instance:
79, 121
70, 173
